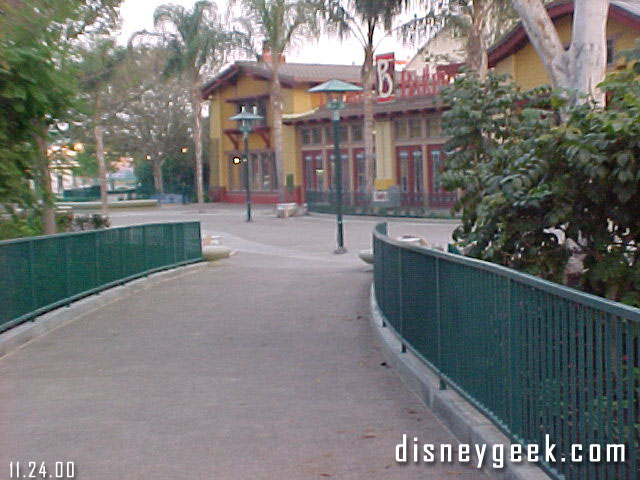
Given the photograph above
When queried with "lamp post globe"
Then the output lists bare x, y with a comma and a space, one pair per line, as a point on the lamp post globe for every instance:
335, 89
245, 125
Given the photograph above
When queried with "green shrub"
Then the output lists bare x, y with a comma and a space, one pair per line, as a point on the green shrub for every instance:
535, 171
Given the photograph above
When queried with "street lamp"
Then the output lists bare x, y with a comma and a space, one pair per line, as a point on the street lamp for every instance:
334, 90
245, 124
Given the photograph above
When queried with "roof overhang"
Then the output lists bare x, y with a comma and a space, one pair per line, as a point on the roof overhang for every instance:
413, 105
225, 76
517, 38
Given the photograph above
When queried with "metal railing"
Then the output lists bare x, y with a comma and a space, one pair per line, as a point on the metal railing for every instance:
536, 357
329, 197
431, 199
41, 273
358, 199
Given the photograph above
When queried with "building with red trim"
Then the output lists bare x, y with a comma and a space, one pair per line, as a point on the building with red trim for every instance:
408, 138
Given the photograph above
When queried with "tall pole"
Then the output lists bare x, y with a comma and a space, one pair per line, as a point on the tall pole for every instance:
247, 171
334, 89
335, 117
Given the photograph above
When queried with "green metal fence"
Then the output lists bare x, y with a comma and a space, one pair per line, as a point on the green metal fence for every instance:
536, 357
41, 273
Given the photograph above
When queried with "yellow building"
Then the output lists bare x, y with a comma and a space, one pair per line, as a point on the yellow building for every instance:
408, 140
248, 84
515, 55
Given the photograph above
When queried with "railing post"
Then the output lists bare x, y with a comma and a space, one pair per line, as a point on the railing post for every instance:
121, 240
32, 282
96, 264
173, 235
67, 280
184, 241
443, 385
400, 301
383, 229
144, 248
511, 354
199, 225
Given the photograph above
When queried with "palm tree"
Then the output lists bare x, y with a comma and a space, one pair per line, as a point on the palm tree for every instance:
196, 44
363, 20
98, 68
482, 22
278, 23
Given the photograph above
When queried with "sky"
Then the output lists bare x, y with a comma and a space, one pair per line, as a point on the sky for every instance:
138, 15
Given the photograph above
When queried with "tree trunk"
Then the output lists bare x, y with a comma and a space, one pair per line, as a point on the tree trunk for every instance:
196, 103
477, 58
276, 105
98, 132
589, 47
44, 179
156, 170
367, 78
581, 67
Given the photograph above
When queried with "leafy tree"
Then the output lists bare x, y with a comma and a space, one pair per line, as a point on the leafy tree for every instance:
275, 24
37, 85
544, 181
196, 43
137, 128
98, 70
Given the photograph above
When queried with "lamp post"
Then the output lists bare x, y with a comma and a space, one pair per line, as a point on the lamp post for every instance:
245, 124
334, 90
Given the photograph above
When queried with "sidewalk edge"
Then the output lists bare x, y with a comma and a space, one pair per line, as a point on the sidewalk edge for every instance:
19, 335
466, 423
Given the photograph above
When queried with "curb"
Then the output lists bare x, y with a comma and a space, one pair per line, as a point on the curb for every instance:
19, 335
382, 218
467, 424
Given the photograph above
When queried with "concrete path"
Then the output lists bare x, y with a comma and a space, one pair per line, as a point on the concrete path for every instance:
262, 366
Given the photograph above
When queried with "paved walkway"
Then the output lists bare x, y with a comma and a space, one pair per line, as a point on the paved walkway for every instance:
262, 366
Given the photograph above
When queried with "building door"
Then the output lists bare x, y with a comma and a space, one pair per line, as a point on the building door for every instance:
359, 178
345, 173
409, 165
438, 197
313, 175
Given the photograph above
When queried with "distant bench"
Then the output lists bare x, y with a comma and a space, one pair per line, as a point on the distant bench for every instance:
285, 210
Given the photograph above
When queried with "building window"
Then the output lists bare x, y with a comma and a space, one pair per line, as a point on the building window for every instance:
433, 127
344, 134
415, 128
263, 172
316, 135
436, 168
236, 172
356, 132
417, 171
360, 175
401, 128
305, 136
404, 170
261, 105
344, 163
308, 172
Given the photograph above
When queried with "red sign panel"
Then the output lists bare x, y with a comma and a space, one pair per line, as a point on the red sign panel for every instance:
385, 75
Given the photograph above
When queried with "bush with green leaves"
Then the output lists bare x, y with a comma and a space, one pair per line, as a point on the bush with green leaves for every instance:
542, 180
